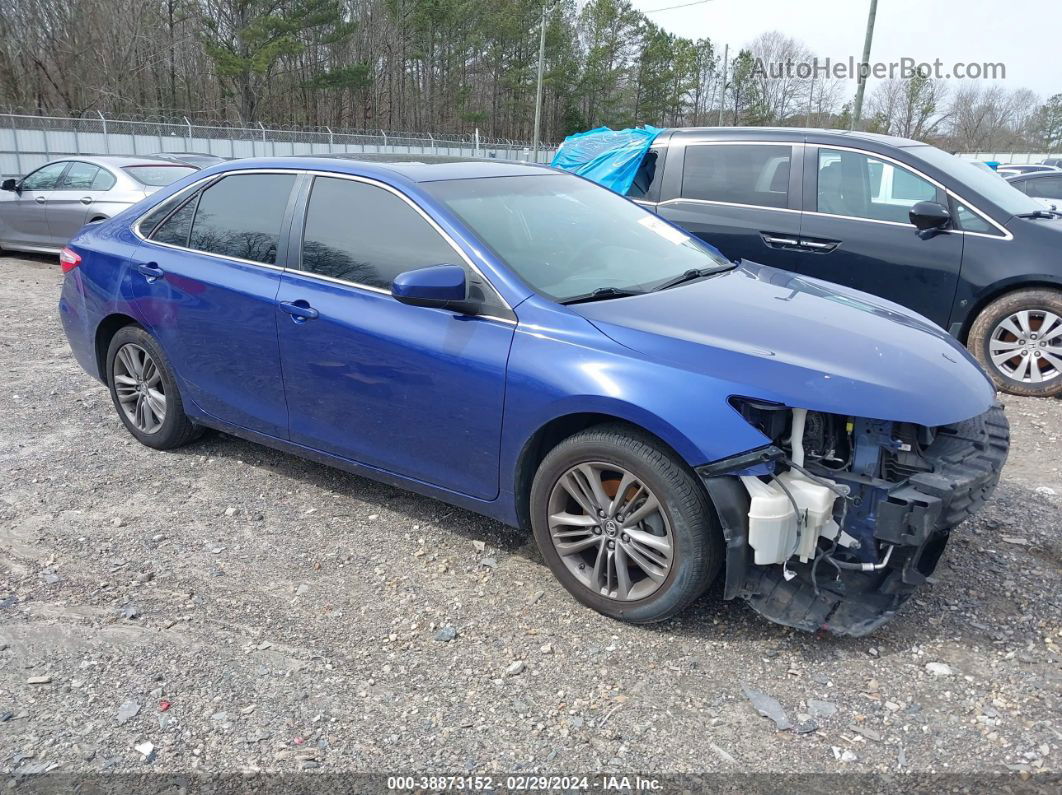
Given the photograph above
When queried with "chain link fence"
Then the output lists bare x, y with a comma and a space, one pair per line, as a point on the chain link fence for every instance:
29, 141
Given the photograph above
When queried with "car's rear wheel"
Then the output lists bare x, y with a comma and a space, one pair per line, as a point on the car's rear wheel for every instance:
1018, 340
624, 525
144, 391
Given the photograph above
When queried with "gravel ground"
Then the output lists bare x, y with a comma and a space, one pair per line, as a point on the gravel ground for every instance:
241, 609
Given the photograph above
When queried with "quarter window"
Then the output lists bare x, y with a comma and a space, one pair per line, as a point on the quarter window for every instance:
970, 221
174, 230
241, 216
861, 186
45, 178
737, 174
366, 235
79, 176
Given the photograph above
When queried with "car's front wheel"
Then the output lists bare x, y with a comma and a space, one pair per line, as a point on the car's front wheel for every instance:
1018, 340
624, 525
144, 390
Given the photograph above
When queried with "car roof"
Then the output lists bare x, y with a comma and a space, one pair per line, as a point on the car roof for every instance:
414, 168
1032, 175
116, 161
791, 133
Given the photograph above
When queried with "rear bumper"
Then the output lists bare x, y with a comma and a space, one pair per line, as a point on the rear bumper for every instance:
74, 317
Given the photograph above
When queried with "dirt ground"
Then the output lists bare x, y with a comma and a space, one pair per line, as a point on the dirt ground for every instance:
241, 609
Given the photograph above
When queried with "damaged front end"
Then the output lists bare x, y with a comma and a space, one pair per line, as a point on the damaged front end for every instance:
836, 522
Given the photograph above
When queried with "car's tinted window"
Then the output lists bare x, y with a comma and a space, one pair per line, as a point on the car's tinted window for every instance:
157, 176
240, 216
737, 173
647, 174
174, 230
104, 180
862, 186
79, 176
1045, 187
44, 178
364, 234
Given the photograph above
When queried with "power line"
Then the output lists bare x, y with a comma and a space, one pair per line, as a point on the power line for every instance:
682, 5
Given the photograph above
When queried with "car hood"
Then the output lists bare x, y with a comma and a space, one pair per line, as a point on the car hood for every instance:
803, 342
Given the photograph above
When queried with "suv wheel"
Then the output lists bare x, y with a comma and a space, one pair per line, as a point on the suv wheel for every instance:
624, 524
1018, 340
145, 392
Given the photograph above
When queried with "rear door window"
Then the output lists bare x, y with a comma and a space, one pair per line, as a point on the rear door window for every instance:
79, 176
738, 173
241, 216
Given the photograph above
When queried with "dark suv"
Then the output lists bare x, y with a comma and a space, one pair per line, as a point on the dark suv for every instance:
891, 216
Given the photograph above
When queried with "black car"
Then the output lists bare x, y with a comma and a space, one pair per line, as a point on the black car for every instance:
891, 216
1046, 185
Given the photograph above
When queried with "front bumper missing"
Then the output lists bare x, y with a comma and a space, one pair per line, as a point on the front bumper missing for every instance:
915, 517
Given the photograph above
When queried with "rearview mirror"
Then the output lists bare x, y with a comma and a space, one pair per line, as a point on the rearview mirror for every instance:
441, 286
9, 184
929, 218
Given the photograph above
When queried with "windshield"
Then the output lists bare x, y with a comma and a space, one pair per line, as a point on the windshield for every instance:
993, 187
567, 237
157, 176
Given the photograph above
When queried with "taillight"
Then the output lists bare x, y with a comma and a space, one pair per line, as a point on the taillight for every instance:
69, 259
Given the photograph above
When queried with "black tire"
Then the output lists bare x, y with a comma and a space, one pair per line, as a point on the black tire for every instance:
176, 429
1034, 300
697, 538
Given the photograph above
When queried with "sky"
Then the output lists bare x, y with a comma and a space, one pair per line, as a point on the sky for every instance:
1025, 37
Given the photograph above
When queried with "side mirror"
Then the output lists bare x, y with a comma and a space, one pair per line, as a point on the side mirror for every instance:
442, 286
9, 184
929, 218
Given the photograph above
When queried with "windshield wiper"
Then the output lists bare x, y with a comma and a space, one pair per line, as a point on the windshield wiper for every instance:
690, 275
601, 294
1039, 214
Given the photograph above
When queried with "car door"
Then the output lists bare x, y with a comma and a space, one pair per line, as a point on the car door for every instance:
741, 197
25, 211
855, 230
415, 391
71, 201
204, 283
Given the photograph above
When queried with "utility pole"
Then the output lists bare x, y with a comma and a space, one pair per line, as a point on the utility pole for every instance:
538, 90
722, 98
861, 78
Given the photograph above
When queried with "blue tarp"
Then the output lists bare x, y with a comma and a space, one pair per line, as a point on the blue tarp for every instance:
608, 157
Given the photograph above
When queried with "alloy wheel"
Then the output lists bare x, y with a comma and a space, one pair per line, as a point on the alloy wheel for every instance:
1027, 346
610, 531
138, 384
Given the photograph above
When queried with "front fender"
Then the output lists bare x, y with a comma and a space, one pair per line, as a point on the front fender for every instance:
561, 365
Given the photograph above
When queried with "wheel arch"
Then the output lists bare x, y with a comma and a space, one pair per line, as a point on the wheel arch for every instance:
105, 332
552, 433
1000, 289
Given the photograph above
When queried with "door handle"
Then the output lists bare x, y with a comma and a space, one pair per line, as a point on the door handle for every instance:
39, 199
86, 200
300, 310
151, 271
776, 241
820, 246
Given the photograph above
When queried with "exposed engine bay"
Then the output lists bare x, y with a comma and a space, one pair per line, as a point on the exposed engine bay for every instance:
840, 519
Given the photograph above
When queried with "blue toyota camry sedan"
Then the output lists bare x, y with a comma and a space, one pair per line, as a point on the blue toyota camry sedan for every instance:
522, 343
